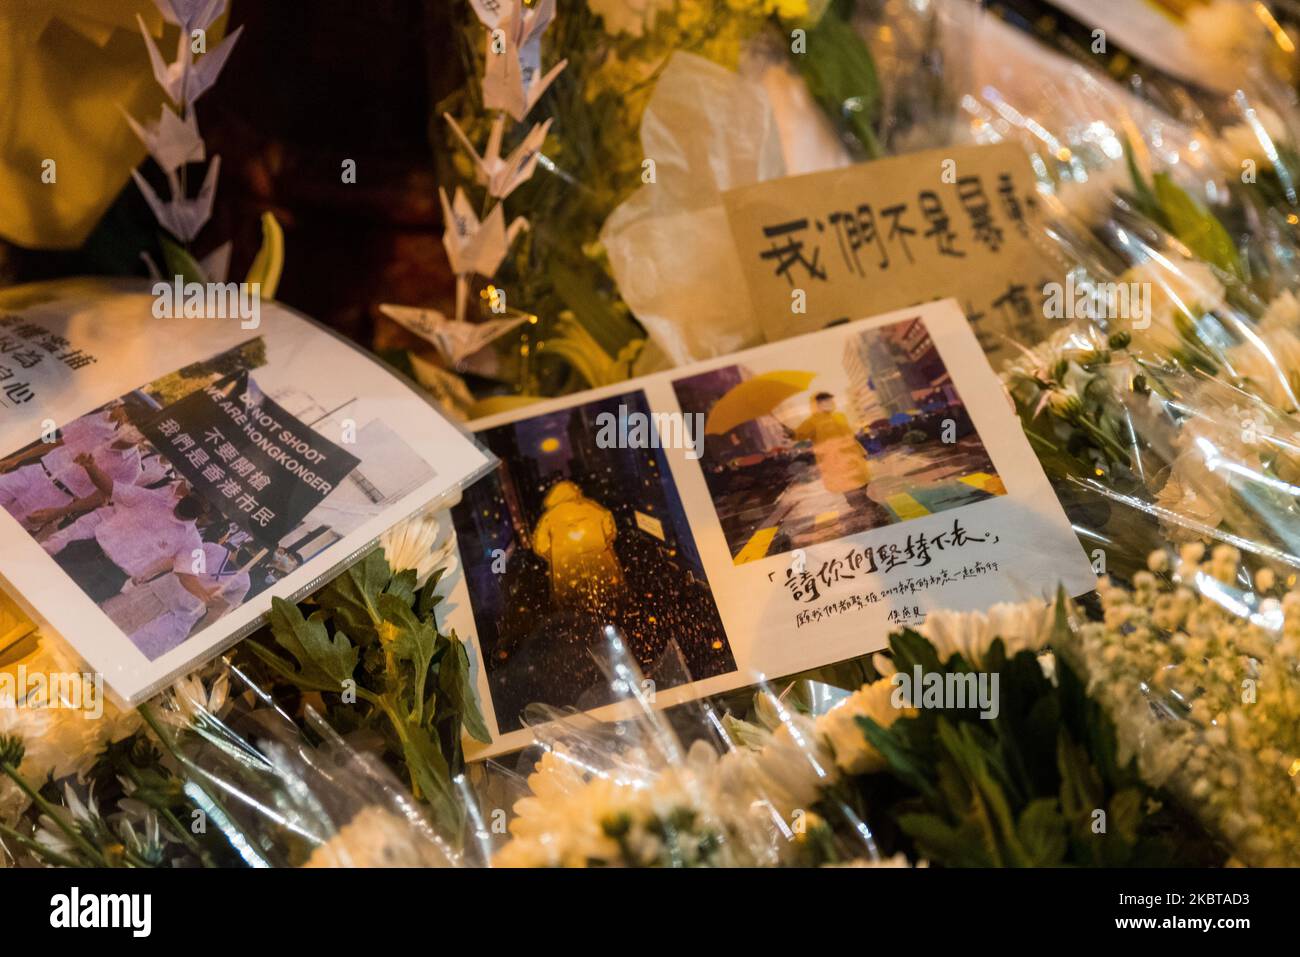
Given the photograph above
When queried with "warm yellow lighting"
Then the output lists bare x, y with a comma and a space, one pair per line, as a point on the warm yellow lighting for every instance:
550, 444
1279, 35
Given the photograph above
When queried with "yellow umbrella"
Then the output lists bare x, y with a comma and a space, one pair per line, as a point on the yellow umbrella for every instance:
755, 397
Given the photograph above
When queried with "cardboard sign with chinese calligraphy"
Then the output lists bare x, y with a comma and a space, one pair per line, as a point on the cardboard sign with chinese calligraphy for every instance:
831, 246
760, 513
162, 479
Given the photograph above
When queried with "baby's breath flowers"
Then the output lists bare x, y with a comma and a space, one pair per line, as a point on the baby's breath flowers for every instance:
1196, 664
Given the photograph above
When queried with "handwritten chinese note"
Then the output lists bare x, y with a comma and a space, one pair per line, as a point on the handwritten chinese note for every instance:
897, 232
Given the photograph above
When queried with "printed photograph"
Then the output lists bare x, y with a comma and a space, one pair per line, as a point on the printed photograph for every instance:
795, 457
567, 538
175, 503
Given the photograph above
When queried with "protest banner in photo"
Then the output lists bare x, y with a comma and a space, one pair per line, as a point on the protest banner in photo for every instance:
162, 479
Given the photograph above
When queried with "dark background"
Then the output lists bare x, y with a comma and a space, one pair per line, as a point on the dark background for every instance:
308, 85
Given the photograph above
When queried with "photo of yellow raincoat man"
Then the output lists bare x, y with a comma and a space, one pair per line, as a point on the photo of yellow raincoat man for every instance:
841, 459
575, 536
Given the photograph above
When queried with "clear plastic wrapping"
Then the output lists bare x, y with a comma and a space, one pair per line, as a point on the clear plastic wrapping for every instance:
1154, 722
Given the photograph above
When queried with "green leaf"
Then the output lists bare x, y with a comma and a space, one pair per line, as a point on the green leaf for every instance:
910, 649
841, 76
1145, 198
429, 596
403, 586
1081, 786
906, 763
431, 775
1196, 227
968, 748
1124, 814
353, 597
940, 842
1042, 831
611, 330
407, 639
179, 262
454, 682
324, 662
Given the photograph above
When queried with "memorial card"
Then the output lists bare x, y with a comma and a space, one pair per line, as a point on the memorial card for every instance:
162, 478
758, 514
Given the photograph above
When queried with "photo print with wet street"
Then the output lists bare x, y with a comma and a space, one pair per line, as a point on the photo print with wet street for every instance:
775, 510
874, 435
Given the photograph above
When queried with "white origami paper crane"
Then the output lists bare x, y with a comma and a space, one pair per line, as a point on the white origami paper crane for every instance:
455, 340
474, 247
501, 176
513, 80
180, 216
172, 142
186, 80
190, 15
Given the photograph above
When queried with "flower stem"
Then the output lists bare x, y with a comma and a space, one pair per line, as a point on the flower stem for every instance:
151, 719
73, 834
36, 847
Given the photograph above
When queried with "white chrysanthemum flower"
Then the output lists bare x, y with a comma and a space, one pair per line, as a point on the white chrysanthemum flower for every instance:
64, 740
1038, 361
1241, 141
795, 764
898, 860
1022, 626
377, 837
1272, 372
1180, 293
1282, 312
195, 701
566, 821
424, 542
1091, 199
839, 726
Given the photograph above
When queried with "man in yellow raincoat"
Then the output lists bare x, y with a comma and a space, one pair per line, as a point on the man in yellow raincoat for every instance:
841, 460
575, 536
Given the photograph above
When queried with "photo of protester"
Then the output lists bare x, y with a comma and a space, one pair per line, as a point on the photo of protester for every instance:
172, 505
571, 535
797, 457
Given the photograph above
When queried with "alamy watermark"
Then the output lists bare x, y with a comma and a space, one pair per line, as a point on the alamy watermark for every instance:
658, 430
38, 690
133, 912
1128, 301
179, 299
934, 689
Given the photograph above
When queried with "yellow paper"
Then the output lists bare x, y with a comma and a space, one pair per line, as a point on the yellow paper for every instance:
67, 70
897, 232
